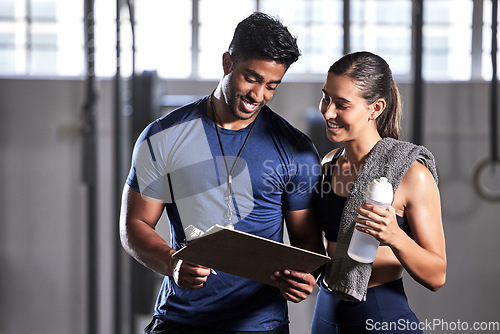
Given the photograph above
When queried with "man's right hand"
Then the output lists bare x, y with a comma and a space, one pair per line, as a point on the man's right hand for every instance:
138, 219
190, 276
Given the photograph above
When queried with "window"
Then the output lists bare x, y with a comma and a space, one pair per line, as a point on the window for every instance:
186, 39
384, 27
487, 67
447, 40
164, 37
318, 27
214, 33
41, 37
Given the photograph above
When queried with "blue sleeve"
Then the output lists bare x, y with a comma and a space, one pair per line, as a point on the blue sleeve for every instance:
301, 189
146, 174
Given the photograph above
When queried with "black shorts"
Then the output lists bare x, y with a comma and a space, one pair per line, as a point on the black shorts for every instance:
158, 326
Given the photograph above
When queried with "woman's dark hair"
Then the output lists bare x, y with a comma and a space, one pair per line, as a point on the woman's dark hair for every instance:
264, 37
373, 77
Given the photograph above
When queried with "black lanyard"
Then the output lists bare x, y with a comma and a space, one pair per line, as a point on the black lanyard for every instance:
228, 196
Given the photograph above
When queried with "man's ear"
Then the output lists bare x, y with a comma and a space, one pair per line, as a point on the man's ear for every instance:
227, 63
377, 108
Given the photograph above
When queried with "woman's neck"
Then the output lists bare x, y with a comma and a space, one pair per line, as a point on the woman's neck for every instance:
356, 151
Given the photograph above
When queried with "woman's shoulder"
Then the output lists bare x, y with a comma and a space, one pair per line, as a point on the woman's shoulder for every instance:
418, 180
418, 173
330, 155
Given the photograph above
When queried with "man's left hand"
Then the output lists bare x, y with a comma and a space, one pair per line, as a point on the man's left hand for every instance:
294, 285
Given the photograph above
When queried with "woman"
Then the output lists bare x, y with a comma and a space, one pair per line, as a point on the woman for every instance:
362, 108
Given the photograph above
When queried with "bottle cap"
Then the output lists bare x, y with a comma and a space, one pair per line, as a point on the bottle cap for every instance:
380, 190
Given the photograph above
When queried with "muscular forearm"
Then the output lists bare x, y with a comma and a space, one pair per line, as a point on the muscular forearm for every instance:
426, 267
313, 244
304, 233
148, 247
138, 218
424, 255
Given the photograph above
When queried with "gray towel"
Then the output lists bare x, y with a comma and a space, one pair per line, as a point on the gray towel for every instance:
346, 278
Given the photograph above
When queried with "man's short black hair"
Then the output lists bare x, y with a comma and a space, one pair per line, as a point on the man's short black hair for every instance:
264, 37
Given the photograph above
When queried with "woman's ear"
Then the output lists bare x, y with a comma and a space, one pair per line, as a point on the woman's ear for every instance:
227, 63
377, 108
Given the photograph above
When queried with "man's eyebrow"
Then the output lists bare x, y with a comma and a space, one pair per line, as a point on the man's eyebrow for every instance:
260, 77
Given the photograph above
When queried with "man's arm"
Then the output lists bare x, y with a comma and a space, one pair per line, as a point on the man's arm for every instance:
303, 233
303, 230
138, 219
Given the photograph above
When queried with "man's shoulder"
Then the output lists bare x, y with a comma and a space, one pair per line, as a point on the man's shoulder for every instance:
186, 113
283, 127
178, 116
291, 139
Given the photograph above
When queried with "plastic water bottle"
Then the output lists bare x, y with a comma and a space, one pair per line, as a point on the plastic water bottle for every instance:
363, 247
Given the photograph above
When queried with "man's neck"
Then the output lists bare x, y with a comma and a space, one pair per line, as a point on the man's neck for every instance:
219, 112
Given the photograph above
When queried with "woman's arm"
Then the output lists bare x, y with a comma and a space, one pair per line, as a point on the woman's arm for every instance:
424, 256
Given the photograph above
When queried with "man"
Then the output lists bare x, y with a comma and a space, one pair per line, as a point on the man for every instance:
225, 159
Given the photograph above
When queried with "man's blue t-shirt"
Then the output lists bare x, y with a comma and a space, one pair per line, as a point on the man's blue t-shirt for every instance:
178, 159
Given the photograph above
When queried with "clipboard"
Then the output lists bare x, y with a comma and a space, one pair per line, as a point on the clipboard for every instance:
246, 255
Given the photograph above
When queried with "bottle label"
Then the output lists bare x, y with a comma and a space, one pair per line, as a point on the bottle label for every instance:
377, 203
371, 201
